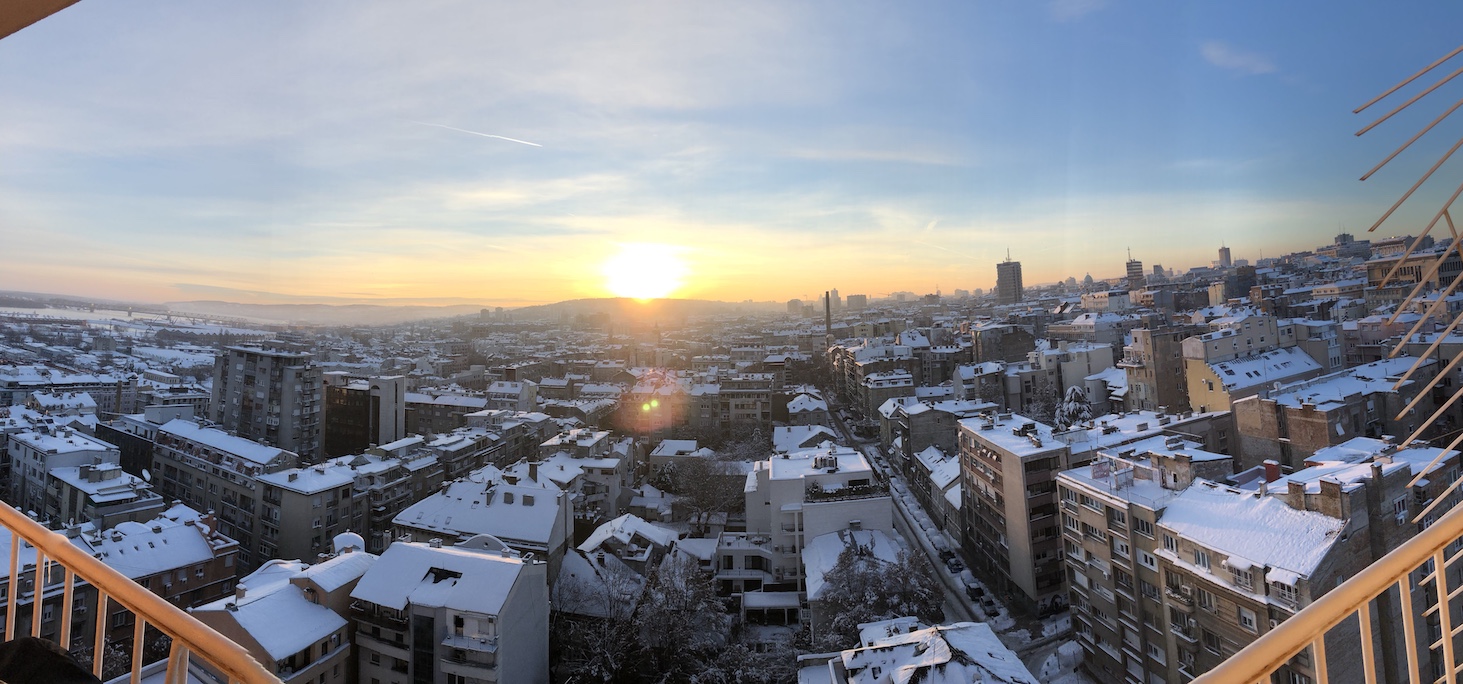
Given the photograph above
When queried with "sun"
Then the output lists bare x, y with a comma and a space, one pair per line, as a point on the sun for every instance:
644, 271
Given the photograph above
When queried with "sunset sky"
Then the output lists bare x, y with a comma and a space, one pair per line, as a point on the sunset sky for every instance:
505, 153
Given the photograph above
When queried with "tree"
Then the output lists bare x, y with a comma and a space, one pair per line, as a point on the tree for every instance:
681, 623
1042, 405
1074, 409
592, 625
704, 486
861, 588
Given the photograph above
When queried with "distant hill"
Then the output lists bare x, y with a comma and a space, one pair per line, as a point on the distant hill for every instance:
622, 308
325, 314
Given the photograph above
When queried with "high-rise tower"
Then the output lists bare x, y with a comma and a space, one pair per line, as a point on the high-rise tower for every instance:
272, 396
1008, 281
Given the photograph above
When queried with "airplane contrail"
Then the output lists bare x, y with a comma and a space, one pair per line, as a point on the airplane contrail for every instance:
485, 135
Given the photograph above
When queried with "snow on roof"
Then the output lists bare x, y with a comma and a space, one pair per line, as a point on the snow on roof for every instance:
1262, 529
1257, 369
1328, 391
800, 464
947, 654
821, 554
340, 570
469, 580
674, 447
222, 441
510, 512
61, 441
276, 613
140, 550
791, 438
592, 584
624, 529
700, 548
311, 479
803, 403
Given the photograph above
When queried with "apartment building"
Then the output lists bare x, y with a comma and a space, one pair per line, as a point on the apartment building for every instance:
291, 616
1154, 364
1110, 510
1011, 529
34, 453
534, 519
1294, 420
1170, 572
471, 612
793, 498
180, 555
270, 395
211, 470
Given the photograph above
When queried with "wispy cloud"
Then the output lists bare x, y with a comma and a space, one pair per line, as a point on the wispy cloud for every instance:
1226, 56
1070, 10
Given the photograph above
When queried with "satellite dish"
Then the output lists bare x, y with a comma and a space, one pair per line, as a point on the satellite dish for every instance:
146, 475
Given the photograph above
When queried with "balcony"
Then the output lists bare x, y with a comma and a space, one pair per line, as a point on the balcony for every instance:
192, 641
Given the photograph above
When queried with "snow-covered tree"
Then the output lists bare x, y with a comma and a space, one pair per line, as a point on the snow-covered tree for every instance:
861, 589
1075, 408
681, 623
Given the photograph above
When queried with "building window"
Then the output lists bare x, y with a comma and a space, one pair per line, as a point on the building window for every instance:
1120, 548
1206, 600
1147, 560
1211, 642
1286, 593
1247, 620
1170, 543
1143, 527
1201, 558
1244, 579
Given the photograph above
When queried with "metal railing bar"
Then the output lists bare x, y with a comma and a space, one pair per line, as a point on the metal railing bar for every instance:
177, 664
38, 594
1431, 224
1446, 615
139, 630
1409, 79
1431, 348
67, 598
1319, 645
1431, 310
1414, 99
13, 587
1368, 657
1409, 628
1422, 282
1436, 459
224, 654
1279, 645
1413, 139
99, 647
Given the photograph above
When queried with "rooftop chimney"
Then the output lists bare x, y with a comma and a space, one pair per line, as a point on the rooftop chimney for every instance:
1272, 470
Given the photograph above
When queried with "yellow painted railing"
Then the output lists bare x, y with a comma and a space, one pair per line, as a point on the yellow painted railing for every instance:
1309, 627
191, 639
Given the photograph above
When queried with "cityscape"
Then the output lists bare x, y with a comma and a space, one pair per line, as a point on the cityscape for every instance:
467, 344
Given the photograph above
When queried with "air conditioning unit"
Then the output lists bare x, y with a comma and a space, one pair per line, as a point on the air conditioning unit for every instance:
1274, 623
1186, 591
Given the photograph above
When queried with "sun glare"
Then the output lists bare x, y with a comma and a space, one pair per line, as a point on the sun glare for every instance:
644, 271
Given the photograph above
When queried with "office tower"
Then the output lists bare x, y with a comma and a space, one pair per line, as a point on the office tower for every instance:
1135, 273
1224, 259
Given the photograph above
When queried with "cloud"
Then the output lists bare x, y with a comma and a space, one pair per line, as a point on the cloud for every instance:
1228, 57
1071, 10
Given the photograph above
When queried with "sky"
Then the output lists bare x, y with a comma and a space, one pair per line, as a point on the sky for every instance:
509, 154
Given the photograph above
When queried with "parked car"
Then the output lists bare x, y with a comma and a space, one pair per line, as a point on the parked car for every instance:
954, 565
946, 555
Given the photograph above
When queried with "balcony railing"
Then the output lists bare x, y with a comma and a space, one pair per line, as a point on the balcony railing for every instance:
191, 639
1309, 627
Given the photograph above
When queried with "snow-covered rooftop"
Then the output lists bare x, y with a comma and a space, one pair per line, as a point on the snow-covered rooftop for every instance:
469, 580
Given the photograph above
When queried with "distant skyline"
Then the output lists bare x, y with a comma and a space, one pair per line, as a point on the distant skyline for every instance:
521, 153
